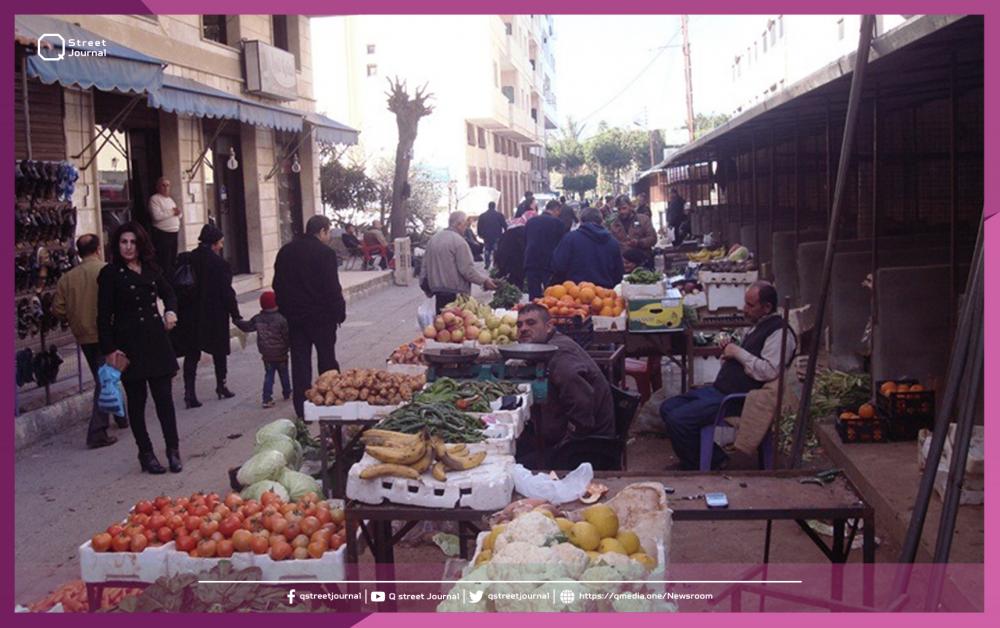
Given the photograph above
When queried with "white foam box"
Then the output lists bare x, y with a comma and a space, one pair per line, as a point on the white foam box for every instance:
499, 439
434, 344
643, 291
608, 323
328, 567
516, 420
486, 487
145, 566
708, 276
406, 369
350, 411
696, 300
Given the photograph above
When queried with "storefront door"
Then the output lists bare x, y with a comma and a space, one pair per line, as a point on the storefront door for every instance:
227, 204
289, 191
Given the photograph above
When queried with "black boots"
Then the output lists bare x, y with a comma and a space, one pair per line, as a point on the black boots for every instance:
150, 464
190, 401
174, 460
223, 392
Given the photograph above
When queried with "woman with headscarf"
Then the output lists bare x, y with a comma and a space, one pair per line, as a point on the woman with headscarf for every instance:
129, 325
205, 314
509, 257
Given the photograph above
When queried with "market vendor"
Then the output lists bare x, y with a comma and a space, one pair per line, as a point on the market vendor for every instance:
579, 403
633, 231
745, 367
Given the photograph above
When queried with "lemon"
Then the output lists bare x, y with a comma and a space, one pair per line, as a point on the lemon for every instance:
602, 517
584, 535
564, 524
611, 545
647, 561
629, 540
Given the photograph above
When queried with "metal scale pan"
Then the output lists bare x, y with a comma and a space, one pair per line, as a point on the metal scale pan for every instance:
529, 352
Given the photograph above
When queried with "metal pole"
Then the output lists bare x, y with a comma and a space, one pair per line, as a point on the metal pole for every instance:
797, 199
829, 165
756, 198
953, 209
874, 300
24, 96
771, 197
847, 145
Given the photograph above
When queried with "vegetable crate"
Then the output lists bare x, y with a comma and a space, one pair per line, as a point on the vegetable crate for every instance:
350, 411
486, 487
145, 566
862, 430
652, 314
580, 329
906, 412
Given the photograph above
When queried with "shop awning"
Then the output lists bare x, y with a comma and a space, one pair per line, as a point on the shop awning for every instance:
187, 97
327, 130
118, 68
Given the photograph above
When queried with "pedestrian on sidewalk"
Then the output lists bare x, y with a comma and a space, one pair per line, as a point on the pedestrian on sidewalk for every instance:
129, 326
491, 225
76, 302
308, 293
166, 222
541, 237
448, 268
272, 342
205, 312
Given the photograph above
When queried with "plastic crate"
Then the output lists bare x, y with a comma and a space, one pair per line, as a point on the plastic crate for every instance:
863, 430
906, 413
578, 328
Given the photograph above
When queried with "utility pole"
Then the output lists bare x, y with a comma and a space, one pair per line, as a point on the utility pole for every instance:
687, 77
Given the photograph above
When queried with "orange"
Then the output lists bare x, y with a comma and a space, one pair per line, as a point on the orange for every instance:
916, 388
556, 291
887, 388
567, 299
607, 311
596, 304
617, 310
586, 284
866, 411
569, 284
902, 388
573, 291
587, 295
848, 416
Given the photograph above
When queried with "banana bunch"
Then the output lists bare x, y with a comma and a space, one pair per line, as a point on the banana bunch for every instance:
411, 455
706, 255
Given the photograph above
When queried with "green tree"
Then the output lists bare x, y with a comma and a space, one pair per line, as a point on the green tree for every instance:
610, 151
346, 190
425, 194
565, 153
703, 123
579, 184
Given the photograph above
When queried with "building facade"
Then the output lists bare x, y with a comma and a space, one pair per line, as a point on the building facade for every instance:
492, 79
230, 123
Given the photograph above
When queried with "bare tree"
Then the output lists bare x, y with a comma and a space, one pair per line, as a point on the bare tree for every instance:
408, 113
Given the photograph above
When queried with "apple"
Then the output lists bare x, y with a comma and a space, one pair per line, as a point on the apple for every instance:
458, 335
439, 323
444, 336
505, 330
485, 337
430, 331
449, 319
510, 318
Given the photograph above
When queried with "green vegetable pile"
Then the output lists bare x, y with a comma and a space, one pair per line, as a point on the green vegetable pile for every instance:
505, 296
832, 390
467, 395
644, 276
438, 419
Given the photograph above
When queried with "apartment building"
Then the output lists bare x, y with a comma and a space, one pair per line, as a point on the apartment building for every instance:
491, 77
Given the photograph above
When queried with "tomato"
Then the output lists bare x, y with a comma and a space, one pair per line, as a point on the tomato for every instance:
206, 549
229, 525
114, 529
161, 501
336, 542
309, 525
259, 545
242, 540
251, 508
185, 543
200, 510
310, 498
316, 549
139, 520
300, 553
196, 535
287, 508
224, 548
323, 515
165, 534
217, 536
233, 501
157, 521
100, 542
175, 522
194, 553
269, 497
145, 507
208, 527
293, 530
276, 539
281, 551
138, 543
168, 511
121, 543
149, 534
320, 536
278, 524
215, 516
192, 523
182, 503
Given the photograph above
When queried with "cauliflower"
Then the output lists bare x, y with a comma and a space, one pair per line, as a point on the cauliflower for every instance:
573, 558
627, 568
475, 580
533, 528
518, 560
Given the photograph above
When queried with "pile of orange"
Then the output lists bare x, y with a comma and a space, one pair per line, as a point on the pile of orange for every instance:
888, 388
569, 298
865, 411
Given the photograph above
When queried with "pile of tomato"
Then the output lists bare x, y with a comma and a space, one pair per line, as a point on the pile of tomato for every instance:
208, 526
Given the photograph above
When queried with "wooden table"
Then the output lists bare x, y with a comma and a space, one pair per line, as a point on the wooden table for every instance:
331, 432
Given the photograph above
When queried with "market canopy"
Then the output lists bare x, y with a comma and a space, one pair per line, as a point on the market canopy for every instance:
118, 68
327, 130
187, 97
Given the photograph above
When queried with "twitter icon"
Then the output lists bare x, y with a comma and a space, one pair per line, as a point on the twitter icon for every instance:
475, 596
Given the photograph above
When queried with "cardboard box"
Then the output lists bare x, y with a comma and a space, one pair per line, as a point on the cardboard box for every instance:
653, 314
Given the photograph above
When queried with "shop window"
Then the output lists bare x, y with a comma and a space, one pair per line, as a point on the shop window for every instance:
113, 170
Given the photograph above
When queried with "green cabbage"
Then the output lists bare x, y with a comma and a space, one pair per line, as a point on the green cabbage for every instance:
298, 484
287, 447
255, 490
282, 427
266, 465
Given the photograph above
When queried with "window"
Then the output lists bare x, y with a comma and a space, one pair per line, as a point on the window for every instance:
840, 29
764, 40
371, 49
279, 28
781, 26
372, 69
483, 177
470, 134
509, 28
774, 34
472, 177
213, 28
482, 137
496, 143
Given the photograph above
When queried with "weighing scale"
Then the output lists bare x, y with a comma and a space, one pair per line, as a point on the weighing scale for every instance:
460, 363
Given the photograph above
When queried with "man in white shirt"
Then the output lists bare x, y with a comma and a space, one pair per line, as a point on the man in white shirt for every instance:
166, 218
745, 367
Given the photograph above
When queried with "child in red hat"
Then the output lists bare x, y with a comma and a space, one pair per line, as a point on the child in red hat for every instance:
272, 342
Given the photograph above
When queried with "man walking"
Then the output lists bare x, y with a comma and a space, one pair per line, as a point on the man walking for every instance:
448, 268
76, 301
491, 226
166, 218
541, 237
308, 293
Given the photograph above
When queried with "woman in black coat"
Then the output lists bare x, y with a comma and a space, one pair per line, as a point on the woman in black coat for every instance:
129, 324
205, 313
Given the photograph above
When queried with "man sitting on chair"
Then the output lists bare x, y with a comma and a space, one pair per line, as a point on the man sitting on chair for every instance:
579, 403
744, 368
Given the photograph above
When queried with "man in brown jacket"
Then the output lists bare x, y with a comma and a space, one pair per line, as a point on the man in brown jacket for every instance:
76, 301
633, 231
579, 403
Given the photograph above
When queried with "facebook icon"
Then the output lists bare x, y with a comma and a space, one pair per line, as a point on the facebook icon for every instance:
291, 596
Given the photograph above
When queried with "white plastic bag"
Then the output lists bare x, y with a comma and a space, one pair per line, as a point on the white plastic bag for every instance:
426, 313
541, 486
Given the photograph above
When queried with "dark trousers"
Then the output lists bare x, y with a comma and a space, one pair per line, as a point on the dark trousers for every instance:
270, 368
165, 244
488, 249
302, 339
160, 388
536, 280
442, 299
191, 372
97, 431
684, 416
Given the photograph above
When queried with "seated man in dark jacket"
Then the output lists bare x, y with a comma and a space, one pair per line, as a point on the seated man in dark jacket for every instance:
588, 254
579, 403
745, 367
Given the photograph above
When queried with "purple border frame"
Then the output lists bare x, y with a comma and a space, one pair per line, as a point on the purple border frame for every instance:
316, 7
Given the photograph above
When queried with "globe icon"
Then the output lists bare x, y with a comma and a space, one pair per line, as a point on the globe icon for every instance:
567, 596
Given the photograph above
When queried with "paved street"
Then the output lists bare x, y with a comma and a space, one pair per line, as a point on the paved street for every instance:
73, 492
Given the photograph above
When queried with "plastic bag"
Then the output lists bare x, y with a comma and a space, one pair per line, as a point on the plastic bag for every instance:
112, 396
426, 313
541, 486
